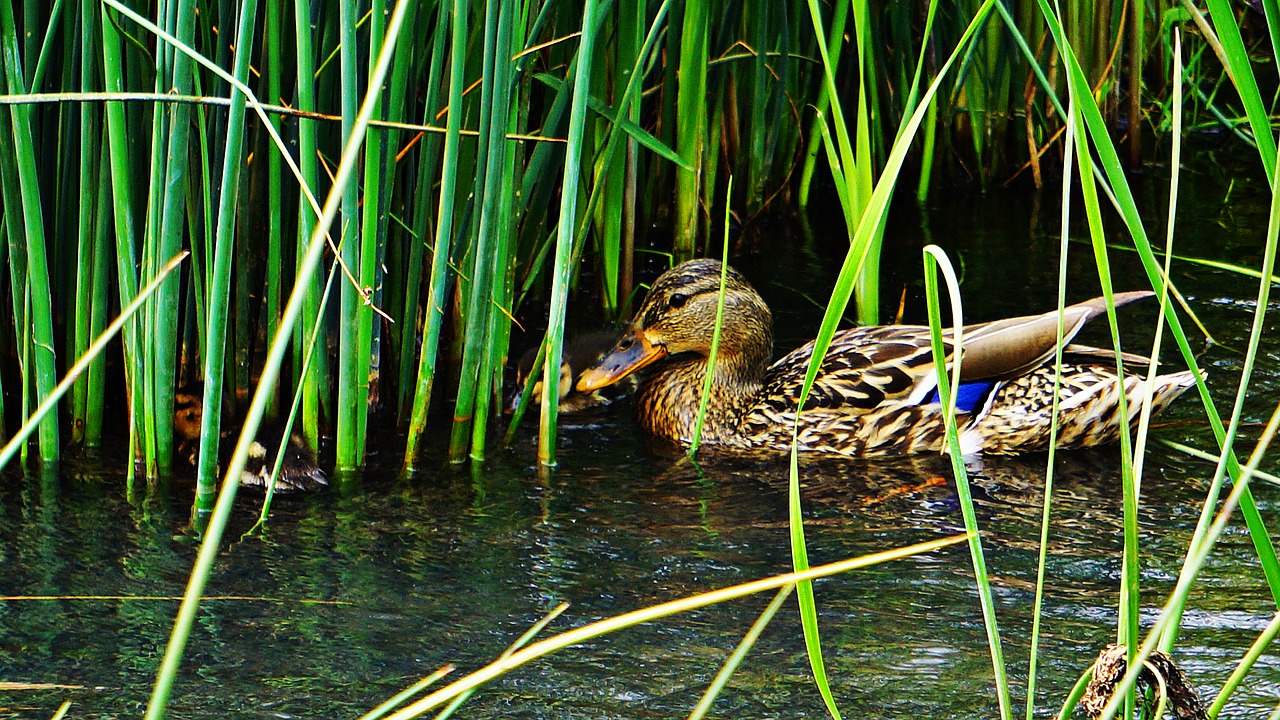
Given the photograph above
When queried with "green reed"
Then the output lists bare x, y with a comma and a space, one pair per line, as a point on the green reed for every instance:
29, 273
219, 283
443, 197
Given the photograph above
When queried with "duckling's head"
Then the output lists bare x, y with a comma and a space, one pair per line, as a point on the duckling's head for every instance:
565, 382
188, 411
679, 316
579, 352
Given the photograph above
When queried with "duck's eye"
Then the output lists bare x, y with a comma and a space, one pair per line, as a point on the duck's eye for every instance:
626, 343
677, 301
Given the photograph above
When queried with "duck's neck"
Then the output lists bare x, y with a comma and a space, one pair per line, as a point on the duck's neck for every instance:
669, 398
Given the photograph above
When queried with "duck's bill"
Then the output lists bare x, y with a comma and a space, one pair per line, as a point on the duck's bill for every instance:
632, 352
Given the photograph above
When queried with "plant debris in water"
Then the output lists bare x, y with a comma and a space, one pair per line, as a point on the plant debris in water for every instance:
1159, 671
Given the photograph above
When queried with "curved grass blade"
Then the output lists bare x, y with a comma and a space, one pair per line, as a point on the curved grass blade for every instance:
935, 260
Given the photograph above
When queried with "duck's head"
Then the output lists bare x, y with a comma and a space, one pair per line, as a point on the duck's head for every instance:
679, 316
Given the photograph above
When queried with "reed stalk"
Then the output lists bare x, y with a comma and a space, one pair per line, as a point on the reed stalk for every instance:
565, 235
936, 261
90, 275
691, 127
470, 411
40, 350
164, 240
309, 177
441, 278
220, 285
348, 448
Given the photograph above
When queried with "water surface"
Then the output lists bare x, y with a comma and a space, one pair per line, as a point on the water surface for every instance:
352, 594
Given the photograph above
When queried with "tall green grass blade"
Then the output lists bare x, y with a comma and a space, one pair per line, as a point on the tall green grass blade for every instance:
43, 363
817, 128
308, 177
379, 172
123, 219
440, 278
565, 233
90, 273
420, 237
691, 129
272, 41
1129, 628
475, 382
804, 596
220, 283
1042, 560
710, 375
165, 240
97, 383
1236, 61
351, 406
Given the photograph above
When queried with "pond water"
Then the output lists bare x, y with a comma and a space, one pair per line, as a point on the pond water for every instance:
355, 593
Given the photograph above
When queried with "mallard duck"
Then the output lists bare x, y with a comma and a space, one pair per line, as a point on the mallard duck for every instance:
579, 353
299, 471
876, 390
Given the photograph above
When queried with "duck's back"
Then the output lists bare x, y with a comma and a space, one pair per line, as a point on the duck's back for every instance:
865, 400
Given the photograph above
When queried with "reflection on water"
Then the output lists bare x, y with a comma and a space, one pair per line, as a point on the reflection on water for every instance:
452, 566
355, 593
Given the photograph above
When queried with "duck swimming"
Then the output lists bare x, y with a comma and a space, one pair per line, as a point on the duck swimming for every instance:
579, 353
876, 390
300, 471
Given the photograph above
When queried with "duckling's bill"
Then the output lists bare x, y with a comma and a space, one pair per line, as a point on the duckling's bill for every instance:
631, 353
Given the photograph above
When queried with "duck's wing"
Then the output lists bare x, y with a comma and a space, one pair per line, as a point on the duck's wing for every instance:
1011, 347
867, 367
863, 368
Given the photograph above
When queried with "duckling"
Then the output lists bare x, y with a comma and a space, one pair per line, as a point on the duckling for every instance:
579, 352
876, 389
299, 471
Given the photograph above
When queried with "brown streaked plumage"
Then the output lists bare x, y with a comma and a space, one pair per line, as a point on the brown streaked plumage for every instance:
875, 391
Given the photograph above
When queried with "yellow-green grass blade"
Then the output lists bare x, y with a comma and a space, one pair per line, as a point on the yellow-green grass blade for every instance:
656, 612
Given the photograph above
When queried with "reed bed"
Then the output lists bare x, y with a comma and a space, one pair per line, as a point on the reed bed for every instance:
504, 170
463, 169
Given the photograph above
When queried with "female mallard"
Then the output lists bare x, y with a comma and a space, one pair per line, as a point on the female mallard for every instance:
580, 352
875, 392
